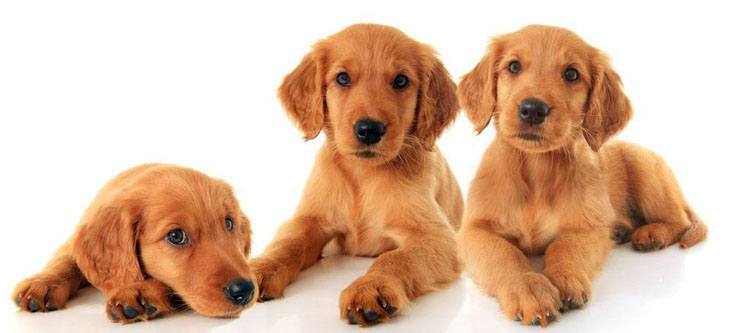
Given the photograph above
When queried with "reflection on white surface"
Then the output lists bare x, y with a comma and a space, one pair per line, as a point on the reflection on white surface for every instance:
667, 290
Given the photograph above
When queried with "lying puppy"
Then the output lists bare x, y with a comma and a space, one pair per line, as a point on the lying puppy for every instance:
545, 185
152, 232
379, 186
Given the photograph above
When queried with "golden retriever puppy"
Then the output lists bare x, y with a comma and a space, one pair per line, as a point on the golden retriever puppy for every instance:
548, 185
154, 235
379, 187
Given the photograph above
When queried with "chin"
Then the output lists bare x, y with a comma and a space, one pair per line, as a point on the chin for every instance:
536, 141
227, 312
367, 157
370, 156
213, 306
533, 143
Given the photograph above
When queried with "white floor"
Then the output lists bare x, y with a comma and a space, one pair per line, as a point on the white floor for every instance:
672, 290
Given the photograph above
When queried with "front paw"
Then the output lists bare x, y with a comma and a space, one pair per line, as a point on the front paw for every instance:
42, 293
271, 277
531, 299
575, 287
372, 299
144, 300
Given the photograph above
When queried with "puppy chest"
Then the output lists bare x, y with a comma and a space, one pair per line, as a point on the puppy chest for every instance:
365, 238
533, 226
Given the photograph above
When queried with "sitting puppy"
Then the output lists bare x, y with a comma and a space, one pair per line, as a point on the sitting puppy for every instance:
152, 232
379, 187
546, 184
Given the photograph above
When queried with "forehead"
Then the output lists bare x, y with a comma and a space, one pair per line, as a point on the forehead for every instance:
362, 48
191, 197
546, 45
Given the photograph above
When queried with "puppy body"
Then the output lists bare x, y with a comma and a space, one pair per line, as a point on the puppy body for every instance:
121, 248
548, 185
395, 199
368, 204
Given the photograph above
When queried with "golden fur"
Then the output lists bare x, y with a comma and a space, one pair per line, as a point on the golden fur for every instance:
402, 204
562, 192
120, 247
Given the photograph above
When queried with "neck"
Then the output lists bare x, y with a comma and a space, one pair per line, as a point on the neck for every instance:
546, 171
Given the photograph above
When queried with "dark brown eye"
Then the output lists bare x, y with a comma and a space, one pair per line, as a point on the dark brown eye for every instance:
571, 75
514, 67
343, 79
229, 223
177, 237
400, 82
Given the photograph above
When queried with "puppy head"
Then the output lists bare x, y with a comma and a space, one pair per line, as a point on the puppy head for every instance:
545, 88
182, 228
373, 90
196, 240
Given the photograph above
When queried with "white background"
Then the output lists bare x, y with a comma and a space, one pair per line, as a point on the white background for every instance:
88, 89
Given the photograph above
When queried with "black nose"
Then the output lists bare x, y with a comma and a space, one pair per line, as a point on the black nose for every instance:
369, 131
240, 291
533, 111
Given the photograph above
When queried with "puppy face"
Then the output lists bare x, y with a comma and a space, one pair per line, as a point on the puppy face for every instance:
545, 88
371, 93
193, 237
373, 90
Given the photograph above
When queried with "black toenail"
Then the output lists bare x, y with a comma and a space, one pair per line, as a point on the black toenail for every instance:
113, 314
391, 310
351, 318
50, 307
18, 300
585, 299
572, 305
535, 322
130, 312
371, 315
647, 247
150, 309
33, 306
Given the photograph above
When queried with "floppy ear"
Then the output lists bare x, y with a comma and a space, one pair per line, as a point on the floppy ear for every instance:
105, 246
478, 89
246, 228
302, 94
437, 104
608, 110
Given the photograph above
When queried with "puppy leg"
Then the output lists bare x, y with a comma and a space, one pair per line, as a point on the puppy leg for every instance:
422, 263
572, 260
659, 202
297, 245
50, 289
503, 271
142, 300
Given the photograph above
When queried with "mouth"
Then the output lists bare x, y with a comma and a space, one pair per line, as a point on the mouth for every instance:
530, 137
366, 154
